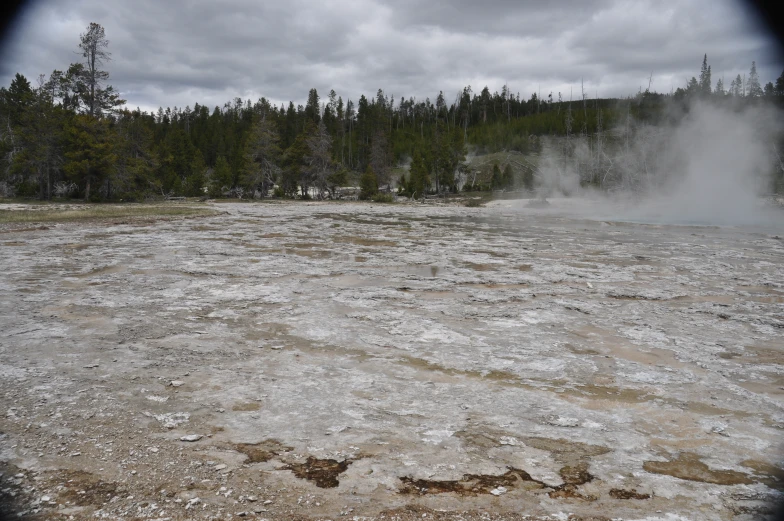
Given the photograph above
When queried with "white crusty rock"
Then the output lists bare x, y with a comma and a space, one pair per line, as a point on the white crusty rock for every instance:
561, 421
498, 491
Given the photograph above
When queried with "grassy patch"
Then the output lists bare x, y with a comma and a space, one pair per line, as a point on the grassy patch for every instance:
61, 213
475, 199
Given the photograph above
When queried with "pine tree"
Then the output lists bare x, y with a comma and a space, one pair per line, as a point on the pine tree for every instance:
736, 87
754, 88
496, 182
312, 108
294, 175
418, 181
18, 98
368, 184
262, 156
507, 177
318, 161
380, 157
693, 87
220, 181
778, 89
705, 77
136, 162
37, 138
90, 154
96, 96
720, 88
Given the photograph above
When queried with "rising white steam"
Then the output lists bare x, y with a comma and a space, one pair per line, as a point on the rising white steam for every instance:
713, 167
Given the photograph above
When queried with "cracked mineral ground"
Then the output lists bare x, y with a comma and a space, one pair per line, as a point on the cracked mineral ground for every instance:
345, 360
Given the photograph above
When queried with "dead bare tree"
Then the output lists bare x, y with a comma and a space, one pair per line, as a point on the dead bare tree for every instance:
262, 153
318, 160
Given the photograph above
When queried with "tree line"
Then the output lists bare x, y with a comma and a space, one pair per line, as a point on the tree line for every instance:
70, 135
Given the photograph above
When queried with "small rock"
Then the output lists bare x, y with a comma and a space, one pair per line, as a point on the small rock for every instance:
221, 466
154, 450
561, 421
75, 454
91, 366
498, 491
589, 285
191, 437
276, 347
252, 499
268, 502
45, 499
176, 383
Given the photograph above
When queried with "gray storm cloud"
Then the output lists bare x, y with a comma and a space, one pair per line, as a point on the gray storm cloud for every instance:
177, 53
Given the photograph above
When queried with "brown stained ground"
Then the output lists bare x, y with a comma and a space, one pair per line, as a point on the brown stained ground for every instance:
619, 493
480, 267
263, 451
573, 477
503, 377
574, 456
689, 466
570, 453
475, 484
322, 472
246, 406
493, 253
415, 512
469, 484
772, 475
363, 241
83, 488
311, 254
205, 228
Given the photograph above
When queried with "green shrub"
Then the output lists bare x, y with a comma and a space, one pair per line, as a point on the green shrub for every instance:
382, 198
368, 184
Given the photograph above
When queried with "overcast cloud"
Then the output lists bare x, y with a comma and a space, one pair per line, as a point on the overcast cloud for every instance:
177, 53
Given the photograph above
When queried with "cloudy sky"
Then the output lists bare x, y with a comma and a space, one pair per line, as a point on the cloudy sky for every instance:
179, 52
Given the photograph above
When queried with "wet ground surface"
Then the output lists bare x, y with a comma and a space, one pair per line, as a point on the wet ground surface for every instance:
341, 360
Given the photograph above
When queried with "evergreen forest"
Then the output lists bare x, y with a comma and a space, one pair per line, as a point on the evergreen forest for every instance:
70, 135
